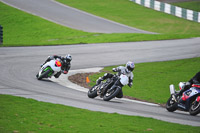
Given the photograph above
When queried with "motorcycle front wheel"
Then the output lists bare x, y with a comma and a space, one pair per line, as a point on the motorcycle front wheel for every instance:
43, 75
109, 95
171, 105
194, 108
92, 93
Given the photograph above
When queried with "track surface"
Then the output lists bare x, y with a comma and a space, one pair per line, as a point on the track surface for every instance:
20, 64
70, 17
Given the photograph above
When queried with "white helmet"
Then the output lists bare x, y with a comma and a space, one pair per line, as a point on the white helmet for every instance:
130, 66
68, 57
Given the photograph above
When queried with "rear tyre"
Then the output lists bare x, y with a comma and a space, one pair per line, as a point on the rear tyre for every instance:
109, 95
195, 108
92, 93
43, 75
171, 105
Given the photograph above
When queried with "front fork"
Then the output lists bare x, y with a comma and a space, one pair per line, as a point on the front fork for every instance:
117, 84
99, 89
172, 92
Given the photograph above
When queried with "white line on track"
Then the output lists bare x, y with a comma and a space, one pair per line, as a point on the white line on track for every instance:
63, 80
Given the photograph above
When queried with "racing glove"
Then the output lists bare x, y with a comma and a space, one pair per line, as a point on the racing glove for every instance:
114, 70
130, 84
65, 72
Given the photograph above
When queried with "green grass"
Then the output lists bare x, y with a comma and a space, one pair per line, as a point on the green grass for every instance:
192, 5
26, 115
23, 29
151, 80
132, 14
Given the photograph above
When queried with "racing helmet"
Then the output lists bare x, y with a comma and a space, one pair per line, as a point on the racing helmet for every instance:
130, 66
68, 57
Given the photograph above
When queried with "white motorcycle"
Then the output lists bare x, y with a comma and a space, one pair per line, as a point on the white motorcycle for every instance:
110, 88
49, 69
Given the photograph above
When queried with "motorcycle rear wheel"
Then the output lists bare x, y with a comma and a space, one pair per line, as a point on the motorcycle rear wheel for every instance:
109, 96
194, 108
43, 75
171, 105
92, 93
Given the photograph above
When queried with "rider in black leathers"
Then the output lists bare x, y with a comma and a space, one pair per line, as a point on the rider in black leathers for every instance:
65, 66
194, 80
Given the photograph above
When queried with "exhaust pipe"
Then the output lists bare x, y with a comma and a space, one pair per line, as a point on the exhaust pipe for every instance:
172, 89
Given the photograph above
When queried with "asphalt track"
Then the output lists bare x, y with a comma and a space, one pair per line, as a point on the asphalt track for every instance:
70, 17
20, 64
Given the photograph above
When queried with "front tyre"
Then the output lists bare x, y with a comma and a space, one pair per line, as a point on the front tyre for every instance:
109, 95
37, 75
92, 93
171, 105
194, 108
44, 75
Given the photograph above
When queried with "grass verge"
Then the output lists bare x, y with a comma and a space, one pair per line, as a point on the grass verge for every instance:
132, 14
23, 29
151, 80
26, 115
192, 5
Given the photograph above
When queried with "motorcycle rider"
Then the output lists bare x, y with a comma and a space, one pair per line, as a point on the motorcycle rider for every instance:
66, 63
127, 70
193, 80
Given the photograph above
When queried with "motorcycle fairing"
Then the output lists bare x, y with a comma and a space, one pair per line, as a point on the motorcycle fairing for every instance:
49, 68
189, 95
50, 65
198, 99
124, 79
58, 63
196, 85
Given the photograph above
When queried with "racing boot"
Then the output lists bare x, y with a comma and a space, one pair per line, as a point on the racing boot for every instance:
105, 76
99, 80
57, 75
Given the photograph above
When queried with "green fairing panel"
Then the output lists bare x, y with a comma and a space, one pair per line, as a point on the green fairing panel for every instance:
49, 68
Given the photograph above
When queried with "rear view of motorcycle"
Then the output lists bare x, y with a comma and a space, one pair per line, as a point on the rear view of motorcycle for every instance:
110, 88
189, 101
49, 69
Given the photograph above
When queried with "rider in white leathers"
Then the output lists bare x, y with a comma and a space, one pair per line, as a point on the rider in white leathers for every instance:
127, 70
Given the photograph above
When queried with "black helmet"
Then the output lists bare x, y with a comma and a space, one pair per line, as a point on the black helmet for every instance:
68, 57
130, 66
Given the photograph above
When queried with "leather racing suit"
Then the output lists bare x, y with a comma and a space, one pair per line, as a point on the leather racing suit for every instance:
120, 70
